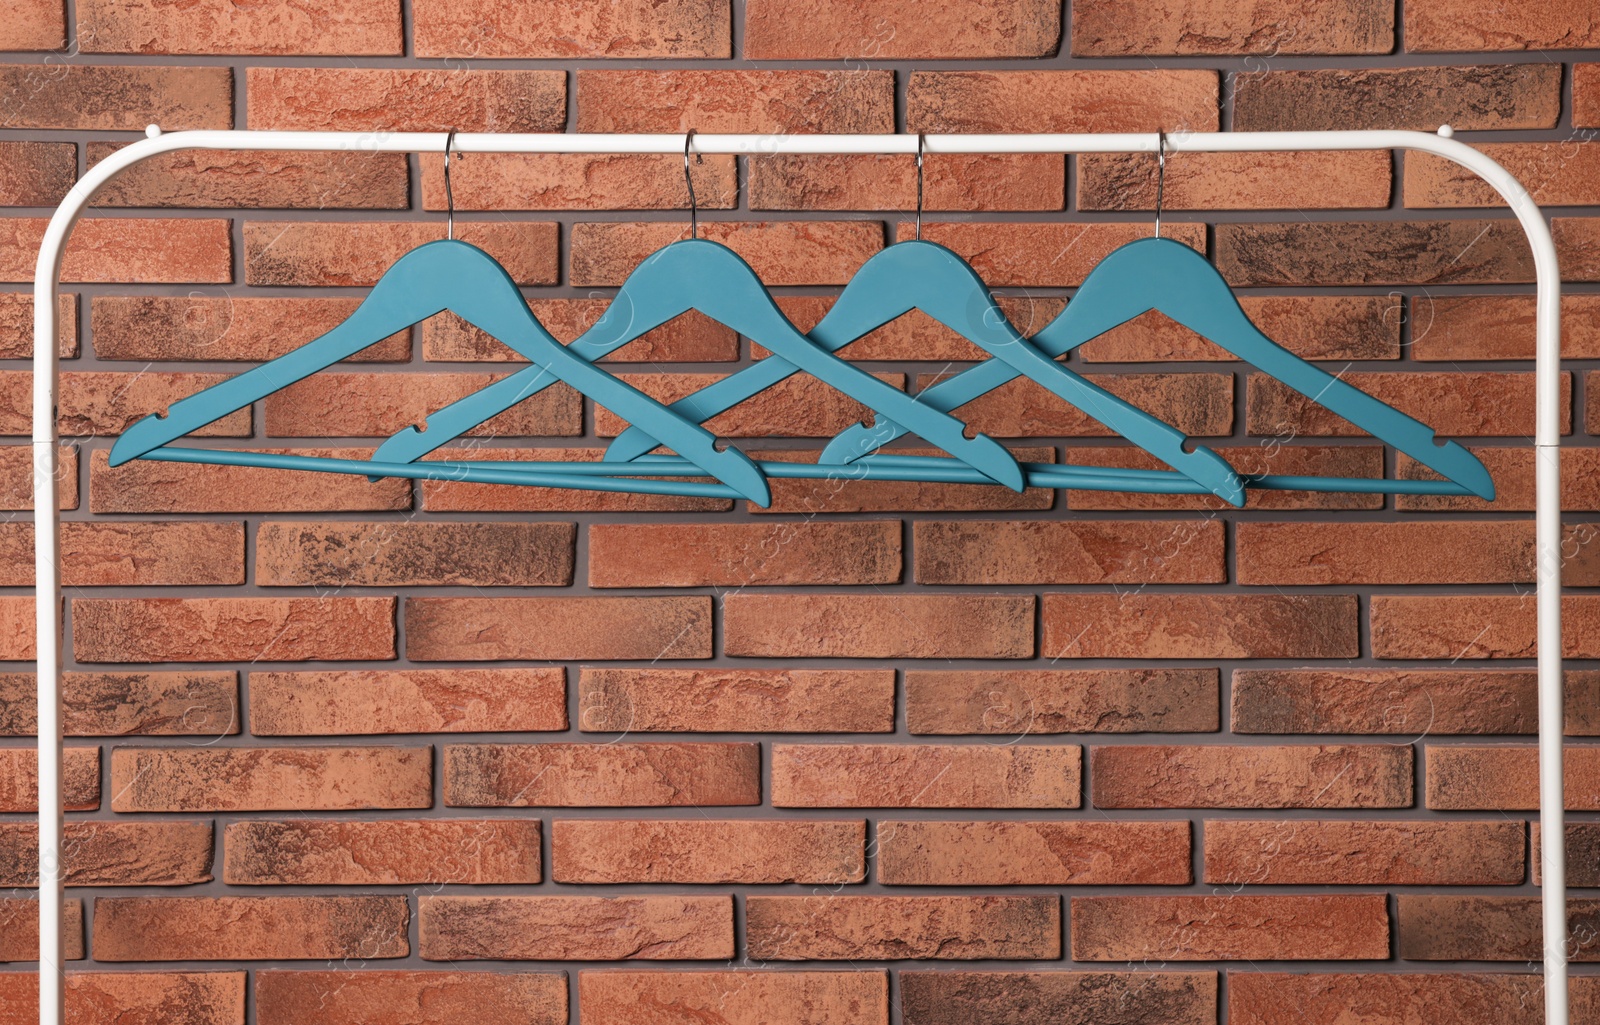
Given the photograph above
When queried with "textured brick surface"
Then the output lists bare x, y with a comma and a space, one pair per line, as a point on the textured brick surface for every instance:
1386, 701
105, 998
323, 99
912, 853
111, 98
407, 701
332, 852
871, 626
686, 928
1344, 927
857, 997
844, 928
1104, 28
19, 785
230, 180
249, 928
478, 29
885, 30
1440, 27
1218, 776
602, 775
490, 629
210, 328
1476, 777
276, 27
19, 941
1372, 853
688, 555
1235, 181
1480, 97
1448, 998
410, 997
735, 101
269, 778
112, 853
926, 776
35, 25
1074, 998
141, 249
232, 629
357, 253
194, 703
699, 851
1198, 626
36, 173
401, 554
1062, 101
1447, 927
1033, 701
736, 700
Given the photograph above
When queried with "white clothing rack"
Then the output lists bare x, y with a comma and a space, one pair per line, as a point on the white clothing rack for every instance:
1547, 439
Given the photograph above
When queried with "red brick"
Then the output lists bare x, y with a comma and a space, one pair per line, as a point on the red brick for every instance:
36, 173
358, 253
17, 625
837, 495
703, 851
884, 30
1476, 626
410, 997
1452, 927
112, 853
743, 100
1272, 456
527, 928
16, 477
614, 775
491, 629
1367, 253
1236, 181
780, 252
578, 181
855, 997
1577, 242
1231, 927
799, 407
225, 328
124, 249
1069, 552
232, 629
249, 928
743, 555
1513, 473
1303, 552
1583, 855
329, 852
1586, 95
878, 625
1506, 778
912, 853
278, 28
1066, 997
35, 25
130, 554
256, 179
1104, 28
483, 29
1313, 327
128, 704
109, 998
1399, 701
122, 98
1554, 173
1378, 853
16, 325
1477, 404
1440, 998
1483, 327
148, 486
926, 776
406, 99
1028, 702
1254, 776
1435, 26
1204, 626
1062, 101
340, 554
1056, 254
270, 778
456, 496
840, 928
95, 403
1479, 97
19, 780
19, 932
741, 700
691, 338
966, 181
407, 701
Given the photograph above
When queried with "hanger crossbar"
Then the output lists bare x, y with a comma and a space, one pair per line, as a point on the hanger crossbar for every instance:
1547, 439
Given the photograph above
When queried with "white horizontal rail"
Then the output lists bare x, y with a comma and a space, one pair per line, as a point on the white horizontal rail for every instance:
1547, 438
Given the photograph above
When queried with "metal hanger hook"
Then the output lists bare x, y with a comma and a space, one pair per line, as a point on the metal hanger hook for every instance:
1161, 175
921, 142
449, 196
694, 207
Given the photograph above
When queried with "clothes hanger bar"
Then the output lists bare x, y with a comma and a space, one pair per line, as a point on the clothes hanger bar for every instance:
1547, 438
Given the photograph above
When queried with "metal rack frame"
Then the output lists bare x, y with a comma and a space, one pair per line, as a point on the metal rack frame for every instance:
1547, 438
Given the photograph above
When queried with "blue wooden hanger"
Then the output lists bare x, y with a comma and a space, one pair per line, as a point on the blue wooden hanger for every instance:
697, 274
1171, 278
434, 277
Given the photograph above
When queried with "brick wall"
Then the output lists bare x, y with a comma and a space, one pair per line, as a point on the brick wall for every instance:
884, 753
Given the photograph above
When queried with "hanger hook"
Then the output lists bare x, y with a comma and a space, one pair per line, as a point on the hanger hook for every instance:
1161, 175
921, 142
694, 208
449, 196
